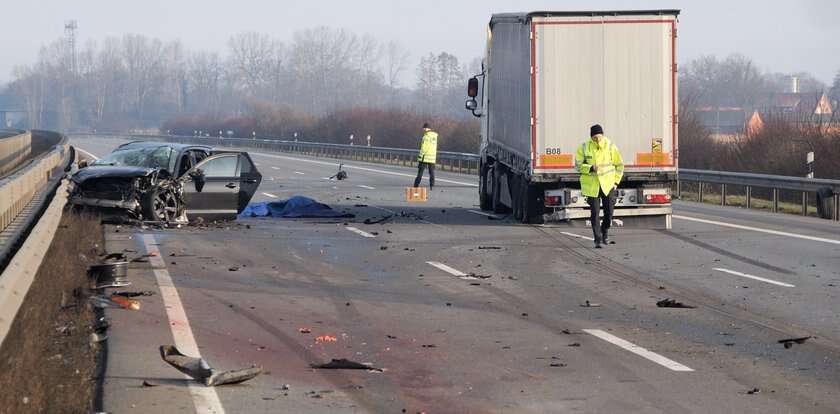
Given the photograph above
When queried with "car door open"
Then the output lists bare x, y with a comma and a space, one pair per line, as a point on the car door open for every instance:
211, 188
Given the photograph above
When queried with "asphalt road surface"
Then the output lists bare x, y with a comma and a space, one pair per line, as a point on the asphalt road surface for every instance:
516, 337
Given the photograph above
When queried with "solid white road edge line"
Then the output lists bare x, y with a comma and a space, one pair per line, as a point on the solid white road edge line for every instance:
452, 271
761, 279
758, 229
205, 398
85, 151
269, 195
443, 180
642, 352
360, 232
367, 187
577, 235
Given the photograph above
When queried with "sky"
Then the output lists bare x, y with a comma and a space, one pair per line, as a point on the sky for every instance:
780, 36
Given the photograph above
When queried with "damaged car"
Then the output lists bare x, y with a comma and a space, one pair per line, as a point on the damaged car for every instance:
164, 182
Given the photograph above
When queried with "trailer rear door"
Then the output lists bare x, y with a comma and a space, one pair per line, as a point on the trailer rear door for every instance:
617, 71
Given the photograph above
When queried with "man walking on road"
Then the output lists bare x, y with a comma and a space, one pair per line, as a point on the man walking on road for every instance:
428, 155
600, 166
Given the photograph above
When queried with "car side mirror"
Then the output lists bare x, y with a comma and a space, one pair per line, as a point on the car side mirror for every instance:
197, 176
472, 87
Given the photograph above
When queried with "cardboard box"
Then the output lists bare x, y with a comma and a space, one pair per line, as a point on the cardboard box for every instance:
416, 194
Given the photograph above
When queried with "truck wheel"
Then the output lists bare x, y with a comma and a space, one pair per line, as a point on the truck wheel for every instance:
516, 196
532, 204
484, 198
498, 207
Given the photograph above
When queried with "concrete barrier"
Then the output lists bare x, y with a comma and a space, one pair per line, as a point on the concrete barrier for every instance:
14, 151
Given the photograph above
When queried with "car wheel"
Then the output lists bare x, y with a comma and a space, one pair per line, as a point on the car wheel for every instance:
160, 205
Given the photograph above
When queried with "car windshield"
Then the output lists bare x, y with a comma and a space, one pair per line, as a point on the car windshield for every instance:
146, 157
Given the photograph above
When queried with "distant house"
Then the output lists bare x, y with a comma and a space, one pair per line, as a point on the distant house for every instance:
729, 120
813, 103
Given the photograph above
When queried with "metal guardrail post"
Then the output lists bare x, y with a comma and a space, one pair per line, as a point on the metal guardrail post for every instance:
836, 207
679, 188
700, 191
749, 197
723, 195
804, 203
775, 200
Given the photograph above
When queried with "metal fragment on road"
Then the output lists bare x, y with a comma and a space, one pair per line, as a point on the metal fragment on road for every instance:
199, 370
788, 342
344, 363
671, 303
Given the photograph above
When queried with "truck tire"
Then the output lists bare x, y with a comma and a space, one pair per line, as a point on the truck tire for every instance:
484, 197
532, 204
496, 195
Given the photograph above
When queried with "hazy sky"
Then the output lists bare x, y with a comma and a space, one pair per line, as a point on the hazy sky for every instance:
783, 36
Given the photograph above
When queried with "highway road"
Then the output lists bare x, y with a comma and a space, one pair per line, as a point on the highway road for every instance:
519, 339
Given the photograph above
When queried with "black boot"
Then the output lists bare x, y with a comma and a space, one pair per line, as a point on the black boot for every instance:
605, 238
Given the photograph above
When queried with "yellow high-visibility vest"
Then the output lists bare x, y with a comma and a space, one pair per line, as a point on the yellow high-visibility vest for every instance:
610, 167
428, 148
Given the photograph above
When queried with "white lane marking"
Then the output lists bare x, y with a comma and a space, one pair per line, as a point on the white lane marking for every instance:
481, 213
269, 195
360, 232
366, 187
452, 271
332, 164
275, 168
760, 230
86, 152
299, 173
577, 235
205, 398
771, 281
642, 352
326, 178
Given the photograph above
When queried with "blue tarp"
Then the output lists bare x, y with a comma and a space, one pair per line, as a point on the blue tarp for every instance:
295, 207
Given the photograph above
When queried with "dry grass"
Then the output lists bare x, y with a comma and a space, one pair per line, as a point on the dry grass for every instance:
47, 362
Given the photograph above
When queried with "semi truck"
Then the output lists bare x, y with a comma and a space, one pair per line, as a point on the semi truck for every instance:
546, 78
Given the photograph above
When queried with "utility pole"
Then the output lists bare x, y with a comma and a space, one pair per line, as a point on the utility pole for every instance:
70, 28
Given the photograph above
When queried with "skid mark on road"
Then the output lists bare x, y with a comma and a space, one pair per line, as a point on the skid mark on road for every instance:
758, 229
748, 276
205, 398
642, 352
726, 253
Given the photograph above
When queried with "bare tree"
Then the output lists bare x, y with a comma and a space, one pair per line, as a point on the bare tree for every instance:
396, 60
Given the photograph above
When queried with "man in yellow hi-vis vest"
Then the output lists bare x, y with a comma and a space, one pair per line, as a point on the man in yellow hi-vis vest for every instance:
600, 166
427, 156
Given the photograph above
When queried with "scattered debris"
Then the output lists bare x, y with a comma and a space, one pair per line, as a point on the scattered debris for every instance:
129, 294
589, 304
753, 391
344, 363
325, 338
477, 276
96, 337
199, 370
383, 247
305, 330
233, 268
574, 344
340, 175
428, 346
489, 248
788, 343
671, 303
110, 274
390, 336
377, 220
114, 302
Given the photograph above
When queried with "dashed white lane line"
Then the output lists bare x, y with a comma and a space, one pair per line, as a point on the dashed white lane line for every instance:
642, 352
299, 173
748, 276
758, 229
360, 232
577, 236
452, 271
205, 398
355, 167
367, 187
269, 195
481, 213
275, 168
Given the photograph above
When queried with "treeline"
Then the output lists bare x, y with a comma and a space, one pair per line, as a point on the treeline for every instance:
386, 127
779, 148
137, 82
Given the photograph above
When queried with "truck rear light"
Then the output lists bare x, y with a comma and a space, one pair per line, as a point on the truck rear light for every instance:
657, 198
552, 200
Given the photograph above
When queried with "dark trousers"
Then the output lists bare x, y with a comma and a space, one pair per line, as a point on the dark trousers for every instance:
420, 167
600, 228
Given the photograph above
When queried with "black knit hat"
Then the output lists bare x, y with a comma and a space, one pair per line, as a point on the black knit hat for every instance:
426, 125
595, 130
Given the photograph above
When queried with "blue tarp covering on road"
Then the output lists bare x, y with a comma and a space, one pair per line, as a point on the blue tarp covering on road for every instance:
295, 207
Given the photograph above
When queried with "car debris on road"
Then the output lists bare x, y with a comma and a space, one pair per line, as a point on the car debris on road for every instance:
199, 370
344, 363
671, 303
788, 342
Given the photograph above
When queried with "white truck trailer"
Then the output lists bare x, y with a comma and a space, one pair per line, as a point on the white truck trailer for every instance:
547, 77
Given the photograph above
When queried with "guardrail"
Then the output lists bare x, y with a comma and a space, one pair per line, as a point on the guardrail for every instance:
18, 190
14, 150
469, 163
